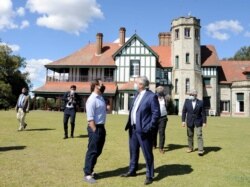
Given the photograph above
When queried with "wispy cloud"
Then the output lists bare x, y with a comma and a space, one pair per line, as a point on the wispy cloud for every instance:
37, 71
222, 30
8, 15
247, 34
69, 16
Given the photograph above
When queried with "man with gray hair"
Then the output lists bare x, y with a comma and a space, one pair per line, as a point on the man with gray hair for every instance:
194, 117
143, 116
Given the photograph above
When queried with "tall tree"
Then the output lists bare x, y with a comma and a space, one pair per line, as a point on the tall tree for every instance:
11, 78
242, 54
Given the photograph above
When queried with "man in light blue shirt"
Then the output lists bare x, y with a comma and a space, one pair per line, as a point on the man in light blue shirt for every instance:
96, 117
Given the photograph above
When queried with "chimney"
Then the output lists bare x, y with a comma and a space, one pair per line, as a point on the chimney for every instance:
164, 39
99, 37
122, 35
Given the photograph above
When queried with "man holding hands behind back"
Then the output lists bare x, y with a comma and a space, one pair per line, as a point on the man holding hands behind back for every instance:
194, 116
143, 116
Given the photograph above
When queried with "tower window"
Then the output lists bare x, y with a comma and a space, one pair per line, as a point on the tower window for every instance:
187, 85
197, 34
176, 33
176, 62
176, 86
187, 32
187, 58
197, 59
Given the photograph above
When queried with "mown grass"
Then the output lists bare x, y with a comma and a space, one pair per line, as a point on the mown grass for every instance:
40, 157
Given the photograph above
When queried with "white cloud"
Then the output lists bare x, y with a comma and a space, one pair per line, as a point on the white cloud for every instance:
247, 34
71, 16
20, 11
13, 47
8, 15
24, 24
37, 71
221, 30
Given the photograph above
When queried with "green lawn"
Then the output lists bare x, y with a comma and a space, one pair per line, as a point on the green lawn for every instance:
40, 157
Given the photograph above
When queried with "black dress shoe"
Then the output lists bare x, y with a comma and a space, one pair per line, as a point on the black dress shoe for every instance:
129, 174
65, 137
148, 180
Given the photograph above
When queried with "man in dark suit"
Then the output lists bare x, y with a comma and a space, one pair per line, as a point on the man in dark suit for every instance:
22, 107
194, 117
143, 116
71, 100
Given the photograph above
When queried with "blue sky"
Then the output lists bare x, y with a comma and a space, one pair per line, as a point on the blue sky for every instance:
46, 30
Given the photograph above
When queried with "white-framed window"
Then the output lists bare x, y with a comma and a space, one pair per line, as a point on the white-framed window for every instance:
134, 68
225, 106
108, 74
240, 102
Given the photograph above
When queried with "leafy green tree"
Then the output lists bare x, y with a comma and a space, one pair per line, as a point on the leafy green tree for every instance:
12, 80
242, 54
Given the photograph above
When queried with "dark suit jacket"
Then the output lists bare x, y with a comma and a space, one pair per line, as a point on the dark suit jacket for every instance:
26, 103
147, 113
66, 99
194, 117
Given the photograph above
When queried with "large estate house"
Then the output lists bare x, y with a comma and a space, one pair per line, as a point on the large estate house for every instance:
179, 63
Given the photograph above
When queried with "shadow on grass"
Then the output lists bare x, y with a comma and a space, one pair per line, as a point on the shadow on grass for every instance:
41, 129
82, 136
117, 172
11, 148
171, 170
161, 172
172, 147
211, 149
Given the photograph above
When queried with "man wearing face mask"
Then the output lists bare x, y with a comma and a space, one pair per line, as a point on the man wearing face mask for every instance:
142, 120
96, 117
71, 100
194, 117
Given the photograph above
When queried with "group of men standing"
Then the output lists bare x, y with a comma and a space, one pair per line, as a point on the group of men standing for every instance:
147, 117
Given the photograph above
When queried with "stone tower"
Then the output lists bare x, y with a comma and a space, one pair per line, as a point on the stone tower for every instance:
186, 59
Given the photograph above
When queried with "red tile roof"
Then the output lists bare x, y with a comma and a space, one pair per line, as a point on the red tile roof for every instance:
126, 86
164, 53
233, 71
209, 56
81, 87
86, 56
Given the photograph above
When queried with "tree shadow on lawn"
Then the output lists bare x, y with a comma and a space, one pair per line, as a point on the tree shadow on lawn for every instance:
41, 129
10, 148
